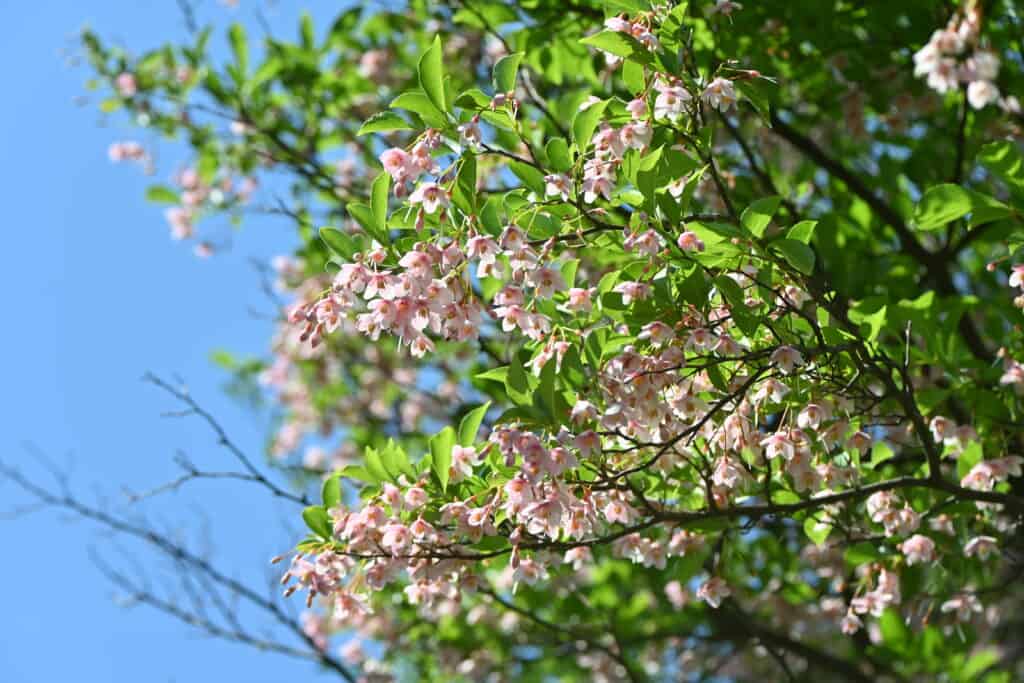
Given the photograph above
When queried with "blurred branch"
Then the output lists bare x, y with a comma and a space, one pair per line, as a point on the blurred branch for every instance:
254, 474
189, 565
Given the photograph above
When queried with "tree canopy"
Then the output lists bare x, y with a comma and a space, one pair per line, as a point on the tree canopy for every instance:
629, 340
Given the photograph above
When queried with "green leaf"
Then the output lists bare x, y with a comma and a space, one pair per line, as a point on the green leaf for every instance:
881, 452
758, 215
861, 553
239, 46
817, 531
531, 177
895, 633
985, 209
331, 491
395, 461
569, 269
318, 521
970, 457
544, 397
364, 216
797, 254
307, 33
585, 123
517, 383
620, 45
759, 93
375, 465
470, 424
802, 231
633, 76
161, 194
441, 445
384, 121
379, 201
464, 195
876, 322
941, 204
1004, 160
557, 150
494, 374
359, 473
504, 72
431, 73
730, 291
339, 242
474, 98
419, 103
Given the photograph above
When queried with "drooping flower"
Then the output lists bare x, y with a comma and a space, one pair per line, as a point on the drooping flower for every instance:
431, 195
714, 591
720, 94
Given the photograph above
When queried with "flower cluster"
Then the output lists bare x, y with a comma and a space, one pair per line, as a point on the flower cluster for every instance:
952, 57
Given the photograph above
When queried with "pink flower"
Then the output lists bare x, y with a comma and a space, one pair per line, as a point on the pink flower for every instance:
1017, 276
850, 623
810, 417
942, 428
689, 241
578, 557
778, 445
618, 24
588, 442
470, 133
579, 299
557, 185
982, 93
529, 572
597, 181
676, 594
463, 459
617, 511
713, 591
964, 606
431, 195
683, 541
982, 546
637, 108
657, 332
636, 135
415, 497
725, 8
399, 165
720, 94
546, 281
671, 101
396, 538
918, 549
420, 346
771, 389
632, 291
787, 358
126, 84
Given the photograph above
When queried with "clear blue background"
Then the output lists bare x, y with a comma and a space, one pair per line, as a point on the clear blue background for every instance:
97, 294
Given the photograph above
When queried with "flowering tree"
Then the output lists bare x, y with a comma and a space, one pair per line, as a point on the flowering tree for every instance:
632, 340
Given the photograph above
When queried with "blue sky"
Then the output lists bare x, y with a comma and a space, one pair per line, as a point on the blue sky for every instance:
97, 295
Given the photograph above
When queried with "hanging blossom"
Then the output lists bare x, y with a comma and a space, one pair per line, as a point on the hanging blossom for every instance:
953, 57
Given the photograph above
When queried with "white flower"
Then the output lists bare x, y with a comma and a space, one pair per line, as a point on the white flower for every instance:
720, 94
713, 591
982, 93
671, 102
431, 196
984, 65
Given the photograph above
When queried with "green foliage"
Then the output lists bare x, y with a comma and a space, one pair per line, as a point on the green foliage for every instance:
843, 211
